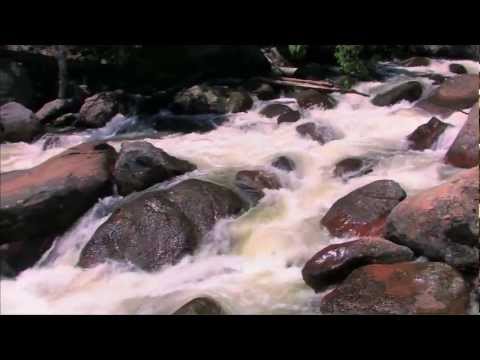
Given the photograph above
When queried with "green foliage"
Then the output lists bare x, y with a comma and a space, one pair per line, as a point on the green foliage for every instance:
350, 61
298, 52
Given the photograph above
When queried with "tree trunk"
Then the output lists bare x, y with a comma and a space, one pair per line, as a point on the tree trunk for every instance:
62, 71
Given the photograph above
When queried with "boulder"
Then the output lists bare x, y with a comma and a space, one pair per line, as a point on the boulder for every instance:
410, 91
363, 211
318, 133
441, 223
426, 135
204, 99
251, 183
400, 289
201, 306
313, 98
464, 151
353, 167
56, 108
66, 120
457, 69
289, 117
46, 200
100, 108
335, 262
261, 89
459, 92
284, 163
158, 228
416, 61
141, 165
15, 84
273, 110
17, 123
187, 123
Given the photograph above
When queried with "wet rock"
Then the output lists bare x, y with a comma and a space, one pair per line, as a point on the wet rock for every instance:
400, 289
441, 223
187, 123
47, 199
464, 151
416, 61
426, 135
457, 69
56, 108
436, 78
273, 110
261, 89
333, 263
353, 167
204, 203
284, 163
141, 165
252, 183
160, 227
363, 212
410, 91
289, 117
100, 108
312, 98
459, 92
204, 99
321, 134
18, 123
201, 306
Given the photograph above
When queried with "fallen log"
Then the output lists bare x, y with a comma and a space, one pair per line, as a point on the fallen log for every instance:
323, 86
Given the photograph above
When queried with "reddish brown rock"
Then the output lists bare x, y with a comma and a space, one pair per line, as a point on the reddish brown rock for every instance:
48, 198
459, 92
464, 151
312, 98
363, 212
334, 263
426, 135
441, 223
400, 289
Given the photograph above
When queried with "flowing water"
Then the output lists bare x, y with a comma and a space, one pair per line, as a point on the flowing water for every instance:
250, 264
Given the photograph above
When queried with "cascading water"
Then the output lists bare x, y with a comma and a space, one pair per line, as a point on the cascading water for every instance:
251, 264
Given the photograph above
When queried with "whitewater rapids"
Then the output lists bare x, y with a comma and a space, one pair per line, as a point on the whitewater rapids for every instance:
251, 264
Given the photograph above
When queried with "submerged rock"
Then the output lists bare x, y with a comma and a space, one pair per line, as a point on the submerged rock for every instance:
318, 133
459, 92
353, 167
312, 98
457, 69
273, 110
289, 117
252, 183
201, 306
441, 223
284, 163
426, 135
400, 289
363, 212
141, 165
416, 61
17, 123
333, 263
464, 151
159, 228
410, 91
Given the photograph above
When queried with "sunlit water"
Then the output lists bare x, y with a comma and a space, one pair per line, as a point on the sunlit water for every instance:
261, 252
